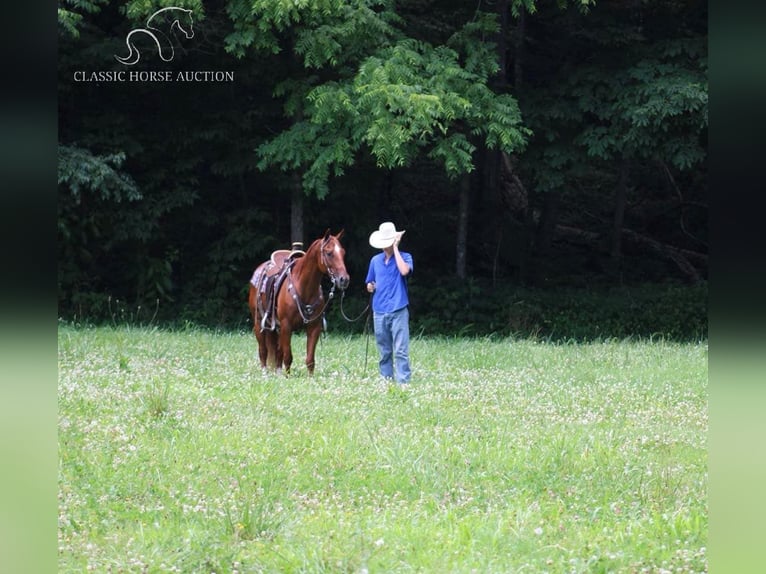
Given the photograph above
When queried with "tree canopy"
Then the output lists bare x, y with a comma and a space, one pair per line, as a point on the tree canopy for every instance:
547, 142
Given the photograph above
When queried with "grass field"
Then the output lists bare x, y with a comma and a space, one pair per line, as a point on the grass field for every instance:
177, 455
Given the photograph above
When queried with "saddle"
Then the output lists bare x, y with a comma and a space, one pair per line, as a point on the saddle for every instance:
268, 281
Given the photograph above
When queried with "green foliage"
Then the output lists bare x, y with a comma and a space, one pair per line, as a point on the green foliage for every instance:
655, 101
85, 6
455, 152
473, 308
68, 21
169, 195
89, 188
634, 99
70, 14
356, 29
307, 143
478, 55
530, 6
80, 171
324, 31
326, 35
396, 97
138, 10
674, 312
413, 96
218, 296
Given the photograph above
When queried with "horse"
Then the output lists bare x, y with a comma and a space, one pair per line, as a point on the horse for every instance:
286, 294
168, 18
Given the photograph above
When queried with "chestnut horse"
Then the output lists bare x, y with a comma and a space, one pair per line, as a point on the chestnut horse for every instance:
286, 294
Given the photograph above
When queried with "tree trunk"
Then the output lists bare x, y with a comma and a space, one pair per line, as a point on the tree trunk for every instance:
503, 14
620, 200
462, 227
518, 73
518, 46
525, 256
548, 220
491, 198
296, 209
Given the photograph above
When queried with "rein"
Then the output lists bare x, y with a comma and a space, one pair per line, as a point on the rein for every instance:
366, 324
346, 317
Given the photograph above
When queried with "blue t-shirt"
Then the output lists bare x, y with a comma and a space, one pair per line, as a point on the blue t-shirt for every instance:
390, 286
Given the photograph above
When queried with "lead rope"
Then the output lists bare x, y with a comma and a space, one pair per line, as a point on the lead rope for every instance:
342, 312
367, 345
366, 325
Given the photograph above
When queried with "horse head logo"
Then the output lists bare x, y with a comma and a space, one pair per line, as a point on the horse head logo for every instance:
166, 19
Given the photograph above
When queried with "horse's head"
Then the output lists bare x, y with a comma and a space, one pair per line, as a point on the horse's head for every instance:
184, 22
332, 256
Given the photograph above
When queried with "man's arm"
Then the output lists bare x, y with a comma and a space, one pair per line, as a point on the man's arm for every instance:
401, 264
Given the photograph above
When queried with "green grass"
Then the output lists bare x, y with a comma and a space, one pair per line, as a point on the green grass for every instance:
178, 455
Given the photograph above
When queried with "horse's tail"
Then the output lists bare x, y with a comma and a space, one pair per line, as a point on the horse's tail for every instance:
133, 56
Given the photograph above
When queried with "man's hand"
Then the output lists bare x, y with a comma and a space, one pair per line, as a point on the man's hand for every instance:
398, 238
371, 287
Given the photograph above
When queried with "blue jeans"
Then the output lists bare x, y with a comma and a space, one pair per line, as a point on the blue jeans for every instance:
392, 335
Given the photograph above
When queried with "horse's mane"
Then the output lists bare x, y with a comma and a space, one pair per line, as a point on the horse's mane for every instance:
310, 253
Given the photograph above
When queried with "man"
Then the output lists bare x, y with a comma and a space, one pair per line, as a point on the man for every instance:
387, 281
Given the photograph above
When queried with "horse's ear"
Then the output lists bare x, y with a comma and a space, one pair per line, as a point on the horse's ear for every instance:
326, 234
340, 234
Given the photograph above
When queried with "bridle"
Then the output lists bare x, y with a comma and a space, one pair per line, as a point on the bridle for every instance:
333, 278
324, 258
306, 311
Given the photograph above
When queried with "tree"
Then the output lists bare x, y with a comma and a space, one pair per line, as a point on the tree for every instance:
391, 97
311, 42
640, 98
151, 245
576, 129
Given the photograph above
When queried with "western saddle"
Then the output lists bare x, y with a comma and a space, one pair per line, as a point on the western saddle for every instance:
268, 280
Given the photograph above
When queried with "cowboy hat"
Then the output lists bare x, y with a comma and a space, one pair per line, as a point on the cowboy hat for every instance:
384, 236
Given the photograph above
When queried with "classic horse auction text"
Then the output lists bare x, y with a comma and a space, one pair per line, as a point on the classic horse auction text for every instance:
153, 76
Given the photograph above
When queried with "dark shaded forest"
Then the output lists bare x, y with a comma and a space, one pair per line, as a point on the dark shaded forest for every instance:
548, 159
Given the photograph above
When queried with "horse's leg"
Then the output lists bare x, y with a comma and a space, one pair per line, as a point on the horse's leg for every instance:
259, 336
259, 340
263, 349
313, 332
284, 350
271, 352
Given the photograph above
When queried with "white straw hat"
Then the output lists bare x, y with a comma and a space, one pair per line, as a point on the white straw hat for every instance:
384, 236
